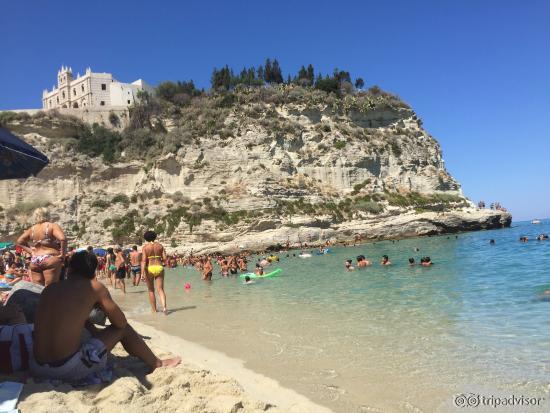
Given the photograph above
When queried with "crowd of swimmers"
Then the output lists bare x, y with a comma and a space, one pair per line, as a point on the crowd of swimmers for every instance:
385, 261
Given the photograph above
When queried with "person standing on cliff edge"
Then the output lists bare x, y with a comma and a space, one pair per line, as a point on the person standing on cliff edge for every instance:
153, 259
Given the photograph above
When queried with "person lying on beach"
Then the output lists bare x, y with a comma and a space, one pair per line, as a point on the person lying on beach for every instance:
348, 265
12, 275
385, 260
61, 317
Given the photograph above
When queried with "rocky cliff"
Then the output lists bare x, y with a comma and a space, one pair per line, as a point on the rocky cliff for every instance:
266, 167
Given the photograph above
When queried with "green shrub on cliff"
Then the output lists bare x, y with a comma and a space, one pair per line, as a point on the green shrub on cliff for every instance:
98, 140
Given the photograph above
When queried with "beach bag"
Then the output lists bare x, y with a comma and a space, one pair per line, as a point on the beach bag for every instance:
15, 347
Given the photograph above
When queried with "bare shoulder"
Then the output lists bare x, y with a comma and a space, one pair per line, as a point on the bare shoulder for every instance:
99, 288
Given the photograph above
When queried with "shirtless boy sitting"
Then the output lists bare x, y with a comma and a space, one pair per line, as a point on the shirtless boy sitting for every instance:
62, 315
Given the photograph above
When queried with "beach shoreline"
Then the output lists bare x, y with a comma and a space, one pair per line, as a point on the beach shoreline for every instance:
207, 380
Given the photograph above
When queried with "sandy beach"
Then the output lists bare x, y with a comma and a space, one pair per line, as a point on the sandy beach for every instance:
207, 381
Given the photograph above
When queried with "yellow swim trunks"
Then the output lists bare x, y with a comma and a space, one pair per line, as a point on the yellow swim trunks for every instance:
155, 270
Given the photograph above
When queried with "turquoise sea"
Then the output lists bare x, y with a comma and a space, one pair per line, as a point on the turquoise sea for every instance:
395, 338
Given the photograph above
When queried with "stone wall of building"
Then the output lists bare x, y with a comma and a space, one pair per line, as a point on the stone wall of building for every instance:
90, 115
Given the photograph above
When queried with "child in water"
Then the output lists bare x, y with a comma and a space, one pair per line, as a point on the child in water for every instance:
247, 280
259, 270
385, 260
348, 265
411, 261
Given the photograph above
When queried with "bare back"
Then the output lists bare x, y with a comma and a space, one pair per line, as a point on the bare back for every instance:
153, 253
44, 238
135, 258
62, 312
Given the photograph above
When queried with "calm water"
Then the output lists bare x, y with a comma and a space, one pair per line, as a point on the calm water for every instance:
393, 338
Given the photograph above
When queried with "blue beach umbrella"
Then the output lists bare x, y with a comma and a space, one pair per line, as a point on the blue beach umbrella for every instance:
100, 252
18, 159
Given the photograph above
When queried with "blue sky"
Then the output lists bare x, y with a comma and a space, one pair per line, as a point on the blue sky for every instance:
477, 72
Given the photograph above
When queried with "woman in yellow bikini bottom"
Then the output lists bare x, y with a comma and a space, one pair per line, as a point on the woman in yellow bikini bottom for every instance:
155, 269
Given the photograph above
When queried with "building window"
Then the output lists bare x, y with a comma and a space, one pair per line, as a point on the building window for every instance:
74, 92
128, 102
63, 95
57, 99
102, 103
103, 86
83, 88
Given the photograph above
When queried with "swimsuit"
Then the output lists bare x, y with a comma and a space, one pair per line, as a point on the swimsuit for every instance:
39, 259
155, 269
135, 269
88, 365
121, 273
112, 267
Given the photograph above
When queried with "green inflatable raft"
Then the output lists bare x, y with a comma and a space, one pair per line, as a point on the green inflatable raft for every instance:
273, 273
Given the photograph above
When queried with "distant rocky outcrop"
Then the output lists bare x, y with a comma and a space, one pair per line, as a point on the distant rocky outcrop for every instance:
264, 171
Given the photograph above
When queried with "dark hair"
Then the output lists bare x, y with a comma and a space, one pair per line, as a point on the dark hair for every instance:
83, 264
247, 278
385, 257
90, 249
110, 250
150, 235
134, 247
411, 260
349, 261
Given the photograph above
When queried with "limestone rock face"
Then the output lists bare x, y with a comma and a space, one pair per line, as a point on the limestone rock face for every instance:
316, 157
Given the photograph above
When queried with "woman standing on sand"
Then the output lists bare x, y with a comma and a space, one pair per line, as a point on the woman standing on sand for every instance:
46, 243
153, 259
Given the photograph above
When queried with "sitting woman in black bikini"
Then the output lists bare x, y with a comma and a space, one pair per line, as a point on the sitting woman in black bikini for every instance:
46, 243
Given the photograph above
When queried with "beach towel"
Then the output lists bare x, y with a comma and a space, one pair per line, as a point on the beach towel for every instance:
89, 365
9, 396
15, 347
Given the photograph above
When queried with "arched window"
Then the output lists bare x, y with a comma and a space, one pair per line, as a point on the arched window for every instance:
75, 105
74, 91
83, 88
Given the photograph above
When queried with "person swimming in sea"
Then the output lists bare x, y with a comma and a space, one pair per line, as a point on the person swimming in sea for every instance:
412, 261
247, 280
492, 242
348, 265
385, 260
362, 261
224, 268
426, 261
259, 270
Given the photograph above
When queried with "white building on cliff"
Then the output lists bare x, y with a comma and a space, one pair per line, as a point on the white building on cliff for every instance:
90, 91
